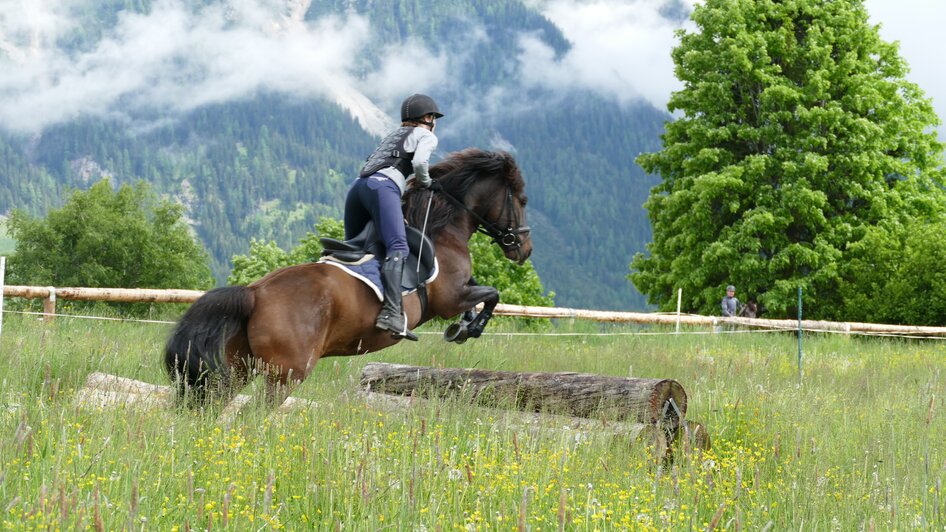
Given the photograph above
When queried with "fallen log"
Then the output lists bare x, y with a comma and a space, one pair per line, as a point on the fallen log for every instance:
103, 390
659, 442
649, 401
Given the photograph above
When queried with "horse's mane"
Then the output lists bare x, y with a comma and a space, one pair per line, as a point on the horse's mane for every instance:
458, 173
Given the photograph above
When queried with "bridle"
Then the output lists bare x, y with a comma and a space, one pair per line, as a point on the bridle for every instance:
508, 238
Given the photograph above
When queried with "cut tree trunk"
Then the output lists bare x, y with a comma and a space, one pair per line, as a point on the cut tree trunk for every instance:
649, 401
103, 391
658, 442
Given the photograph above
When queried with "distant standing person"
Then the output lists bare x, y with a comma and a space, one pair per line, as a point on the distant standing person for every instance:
730, 303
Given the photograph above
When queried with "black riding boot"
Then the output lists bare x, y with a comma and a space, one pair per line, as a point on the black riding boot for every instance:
391, 318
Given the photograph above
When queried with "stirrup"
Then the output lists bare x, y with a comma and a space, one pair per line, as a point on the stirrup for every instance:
405, 335
400, 334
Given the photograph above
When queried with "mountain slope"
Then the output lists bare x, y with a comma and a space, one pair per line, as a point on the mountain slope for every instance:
268, 163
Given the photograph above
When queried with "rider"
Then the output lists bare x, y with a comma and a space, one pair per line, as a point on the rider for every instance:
376, 196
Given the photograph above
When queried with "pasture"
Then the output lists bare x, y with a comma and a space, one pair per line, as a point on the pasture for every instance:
857, 445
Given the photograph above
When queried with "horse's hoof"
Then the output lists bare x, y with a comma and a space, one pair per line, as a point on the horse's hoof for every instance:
457, 333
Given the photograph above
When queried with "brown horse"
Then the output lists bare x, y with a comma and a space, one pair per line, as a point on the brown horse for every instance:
282, 324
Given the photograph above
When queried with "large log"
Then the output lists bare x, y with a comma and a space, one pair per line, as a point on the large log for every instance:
572, 394
659, 442
102, 390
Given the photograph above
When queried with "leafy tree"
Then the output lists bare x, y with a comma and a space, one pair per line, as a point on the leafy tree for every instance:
125, 238
518, 285
916, 292
262, 258
265, 257
800, 155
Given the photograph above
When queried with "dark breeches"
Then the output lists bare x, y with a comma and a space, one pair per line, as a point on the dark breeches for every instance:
376, 198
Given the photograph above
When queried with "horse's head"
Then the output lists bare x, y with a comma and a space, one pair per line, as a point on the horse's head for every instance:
486, 191
505, 210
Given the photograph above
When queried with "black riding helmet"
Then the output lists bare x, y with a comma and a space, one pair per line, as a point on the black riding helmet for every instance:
418, 105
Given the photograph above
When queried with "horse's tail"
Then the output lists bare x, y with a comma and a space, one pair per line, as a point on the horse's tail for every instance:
194, 355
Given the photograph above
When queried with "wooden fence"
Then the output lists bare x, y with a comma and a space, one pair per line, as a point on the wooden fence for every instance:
144, 295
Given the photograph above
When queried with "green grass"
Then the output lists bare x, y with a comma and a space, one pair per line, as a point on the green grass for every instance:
858, 444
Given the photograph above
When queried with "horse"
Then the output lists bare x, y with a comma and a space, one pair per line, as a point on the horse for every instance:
283, 323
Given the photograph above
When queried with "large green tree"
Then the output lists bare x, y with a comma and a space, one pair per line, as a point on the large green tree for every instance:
801, 157
102, 237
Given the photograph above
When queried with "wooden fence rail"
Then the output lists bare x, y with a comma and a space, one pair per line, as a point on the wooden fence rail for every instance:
123, 295
145, 295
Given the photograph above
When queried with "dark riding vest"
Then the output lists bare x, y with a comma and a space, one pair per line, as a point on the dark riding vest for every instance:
391, 153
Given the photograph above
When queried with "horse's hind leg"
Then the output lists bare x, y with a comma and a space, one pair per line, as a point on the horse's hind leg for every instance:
242, 371
279, 385
288, 364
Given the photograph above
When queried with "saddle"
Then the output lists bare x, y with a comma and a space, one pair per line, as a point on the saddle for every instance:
367, 245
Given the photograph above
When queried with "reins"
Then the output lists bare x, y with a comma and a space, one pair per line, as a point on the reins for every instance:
507, 238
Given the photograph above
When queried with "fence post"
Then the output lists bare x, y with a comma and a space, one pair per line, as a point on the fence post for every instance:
679, 299
799, 335
3, 270
49, 306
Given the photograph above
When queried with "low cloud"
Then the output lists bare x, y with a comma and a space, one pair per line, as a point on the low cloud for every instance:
179, 56
176, 58
405, 68
620, 48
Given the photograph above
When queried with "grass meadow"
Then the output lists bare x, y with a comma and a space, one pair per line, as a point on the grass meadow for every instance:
858, 444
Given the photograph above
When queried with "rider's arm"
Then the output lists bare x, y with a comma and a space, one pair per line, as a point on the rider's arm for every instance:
426, 144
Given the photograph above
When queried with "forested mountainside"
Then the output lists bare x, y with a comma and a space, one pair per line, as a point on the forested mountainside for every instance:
266, 168
268, 164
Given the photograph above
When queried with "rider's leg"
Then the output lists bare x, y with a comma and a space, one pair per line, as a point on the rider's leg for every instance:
389, 219
392, 318
357, 214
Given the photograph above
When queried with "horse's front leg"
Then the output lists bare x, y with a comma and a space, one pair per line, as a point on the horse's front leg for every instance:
480, 319
472, 325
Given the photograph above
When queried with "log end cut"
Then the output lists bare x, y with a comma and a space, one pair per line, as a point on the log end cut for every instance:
668, 404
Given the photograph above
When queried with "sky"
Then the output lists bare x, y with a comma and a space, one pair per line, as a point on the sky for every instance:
918, 25
604, 30
176, 59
